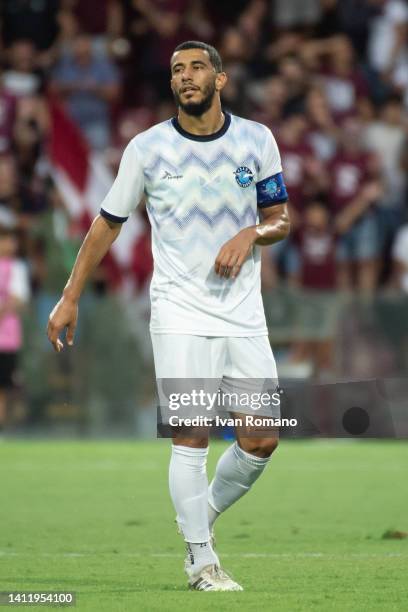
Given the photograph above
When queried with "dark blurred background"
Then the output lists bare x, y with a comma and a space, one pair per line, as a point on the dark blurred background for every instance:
78, 79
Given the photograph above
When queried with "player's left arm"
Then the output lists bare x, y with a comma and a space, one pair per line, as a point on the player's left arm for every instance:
274, 226
271, 198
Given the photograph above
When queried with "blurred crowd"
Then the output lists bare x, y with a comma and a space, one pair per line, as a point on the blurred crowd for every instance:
329, 77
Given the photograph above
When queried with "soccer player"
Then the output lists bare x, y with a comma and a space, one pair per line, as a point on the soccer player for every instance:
215, 194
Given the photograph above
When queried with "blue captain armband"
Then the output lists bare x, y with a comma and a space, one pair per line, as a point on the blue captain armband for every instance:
270, 191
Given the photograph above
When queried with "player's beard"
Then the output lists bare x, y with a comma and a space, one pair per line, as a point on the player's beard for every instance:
196, 109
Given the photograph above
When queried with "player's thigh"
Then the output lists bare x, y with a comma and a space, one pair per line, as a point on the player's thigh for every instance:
250, 358
188, 356
188, 368
250, 382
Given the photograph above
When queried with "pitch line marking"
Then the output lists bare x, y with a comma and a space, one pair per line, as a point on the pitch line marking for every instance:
252, 555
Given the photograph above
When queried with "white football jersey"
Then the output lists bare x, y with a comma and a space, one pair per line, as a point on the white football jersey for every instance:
200, 192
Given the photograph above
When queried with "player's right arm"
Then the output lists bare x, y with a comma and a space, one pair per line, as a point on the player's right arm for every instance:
123, 197
95, 246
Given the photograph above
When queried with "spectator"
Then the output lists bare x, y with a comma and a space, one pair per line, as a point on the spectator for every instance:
32, 169
388, 50
354, 189
299, 169
342, 80
21, 178
90, 85
23, 78
7, 114
323, 131
318, 305
14, 293
387, 137
303, 172
296, 81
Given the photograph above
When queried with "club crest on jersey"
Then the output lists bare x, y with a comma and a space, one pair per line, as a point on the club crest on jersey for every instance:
272, 188
244, 176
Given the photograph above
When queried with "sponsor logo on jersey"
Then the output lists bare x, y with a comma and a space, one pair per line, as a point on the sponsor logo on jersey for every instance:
167, 175
244, 176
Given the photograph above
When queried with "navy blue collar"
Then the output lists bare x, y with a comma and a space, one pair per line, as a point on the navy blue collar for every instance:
204, 137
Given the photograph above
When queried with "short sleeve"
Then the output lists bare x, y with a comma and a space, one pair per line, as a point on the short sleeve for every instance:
127, 189
270, 187
19, 285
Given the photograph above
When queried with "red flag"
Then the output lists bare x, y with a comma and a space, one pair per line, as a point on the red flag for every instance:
83, 178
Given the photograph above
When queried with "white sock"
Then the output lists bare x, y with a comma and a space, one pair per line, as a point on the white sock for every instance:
235, 473
212, 516
199, 556
189, 491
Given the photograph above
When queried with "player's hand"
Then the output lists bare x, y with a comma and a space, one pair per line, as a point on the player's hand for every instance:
64, 314
233, 253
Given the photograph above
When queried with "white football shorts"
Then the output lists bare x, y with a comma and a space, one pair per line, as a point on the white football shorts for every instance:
217, 374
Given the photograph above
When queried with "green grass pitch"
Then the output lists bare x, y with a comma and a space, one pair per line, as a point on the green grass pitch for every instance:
96, 518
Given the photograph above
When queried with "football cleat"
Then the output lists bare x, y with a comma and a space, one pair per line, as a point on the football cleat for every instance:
213, 578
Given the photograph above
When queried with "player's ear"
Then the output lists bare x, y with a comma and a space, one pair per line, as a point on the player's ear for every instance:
220, 81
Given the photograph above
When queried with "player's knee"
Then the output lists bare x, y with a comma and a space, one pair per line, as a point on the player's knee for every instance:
261, 447
191, 442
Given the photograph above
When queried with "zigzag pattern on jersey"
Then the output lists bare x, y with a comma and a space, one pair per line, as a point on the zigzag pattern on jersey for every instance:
196, 187
191, 160
203, 245
222, 217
